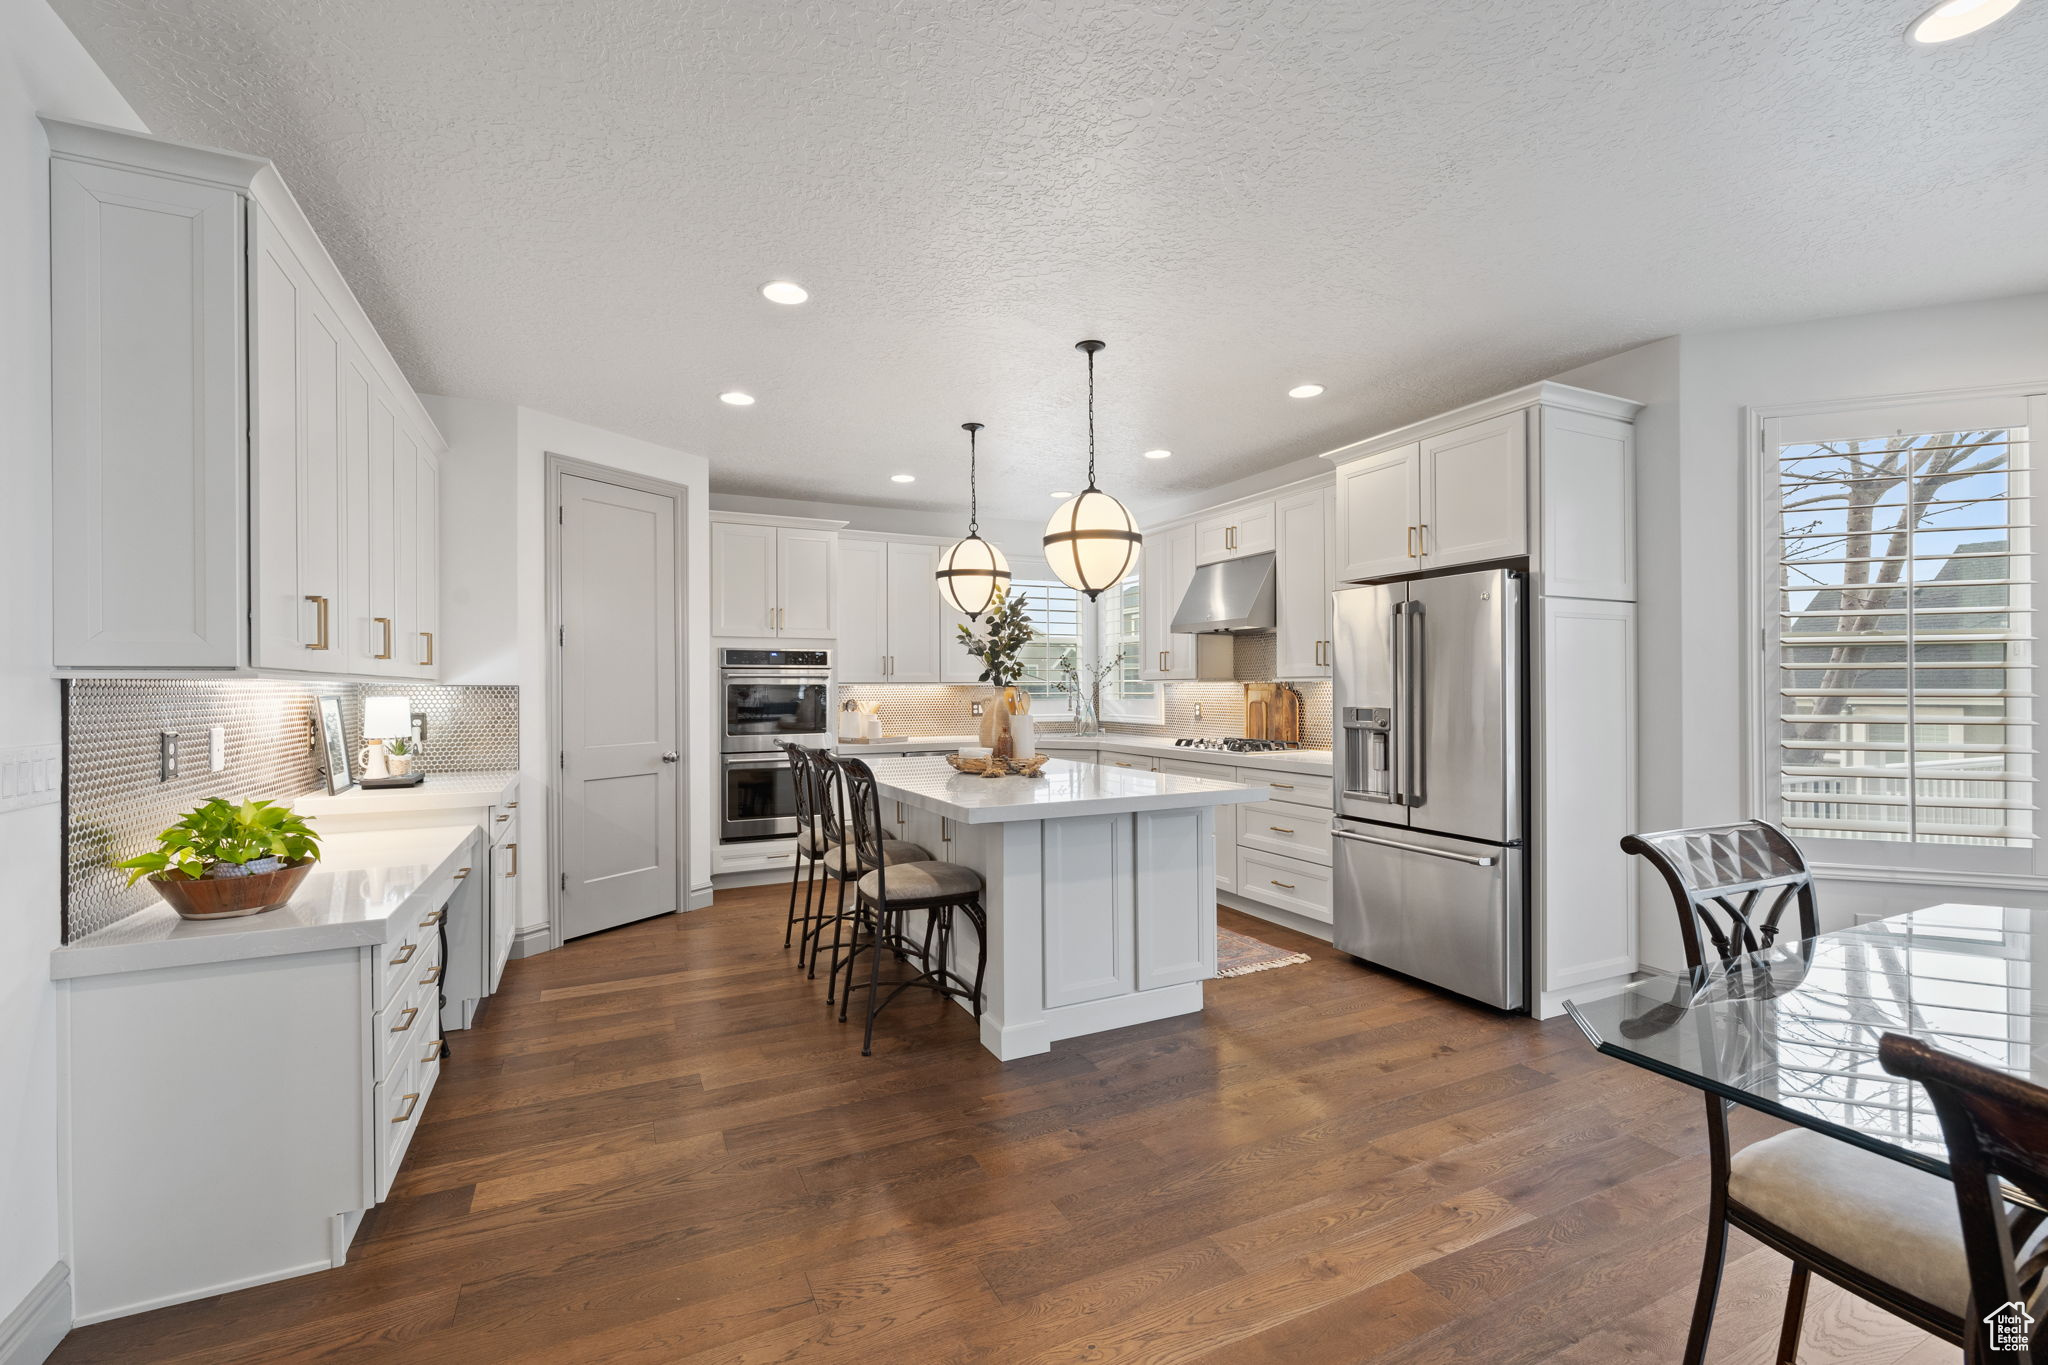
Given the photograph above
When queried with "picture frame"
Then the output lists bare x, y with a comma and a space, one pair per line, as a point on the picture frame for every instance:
334, 747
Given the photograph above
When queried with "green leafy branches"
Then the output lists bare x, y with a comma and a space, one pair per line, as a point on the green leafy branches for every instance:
1001, 649
222, 832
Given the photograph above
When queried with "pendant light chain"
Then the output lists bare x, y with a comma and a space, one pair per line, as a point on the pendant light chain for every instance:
1091, 413
973, 493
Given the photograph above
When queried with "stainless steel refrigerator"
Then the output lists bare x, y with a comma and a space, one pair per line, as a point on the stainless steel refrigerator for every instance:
1431, 791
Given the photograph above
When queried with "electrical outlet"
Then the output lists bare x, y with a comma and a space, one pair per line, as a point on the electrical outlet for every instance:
166, 755
1198, 710
217, 748
974, 708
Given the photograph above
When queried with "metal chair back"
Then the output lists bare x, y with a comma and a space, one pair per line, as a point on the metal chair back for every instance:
1731, 886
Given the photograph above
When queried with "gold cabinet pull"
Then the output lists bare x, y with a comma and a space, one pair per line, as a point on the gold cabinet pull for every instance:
1411, 542
320, 606
1284, 886
1280, 829
433, 1053
406, 956
513, 849
511, 805
410, 1012
1283, 786
385, 622
428, 636
945, 830
503, 818
430, 976
1422, 541
412, 1102
433, 918
460, 873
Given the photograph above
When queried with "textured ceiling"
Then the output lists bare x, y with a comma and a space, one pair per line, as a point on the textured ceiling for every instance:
1413, 202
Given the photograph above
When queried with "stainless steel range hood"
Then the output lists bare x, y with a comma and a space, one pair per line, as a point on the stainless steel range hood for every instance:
1228, 598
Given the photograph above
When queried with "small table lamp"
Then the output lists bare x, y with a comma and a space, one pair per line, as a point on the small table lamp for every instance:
385, 718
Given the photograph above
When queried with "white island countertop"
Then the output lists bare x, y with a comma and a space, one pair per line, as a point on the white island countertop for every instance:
1064, 789
364, 885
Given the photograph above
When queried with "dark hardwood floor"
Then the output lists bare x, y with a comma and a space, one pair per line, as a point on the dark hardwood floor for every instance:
658, 1148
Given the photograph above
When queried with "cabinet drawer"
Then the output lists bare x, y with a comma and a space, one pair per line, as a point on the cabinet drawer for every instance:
1290, 830
400, 962
1299, 789
1289, 883
401, 1100
1139, 761
1215, 772
414, 1011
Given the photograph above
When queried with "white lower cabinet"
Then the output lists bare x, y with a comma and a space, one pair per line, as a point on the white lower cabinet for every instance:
1290, 883
1226, 816
228, 1123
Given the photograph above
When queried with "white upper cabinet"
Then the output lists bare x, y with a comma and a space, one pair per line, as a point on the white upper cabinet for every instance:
772, 581
1240, 531
743, 572
806, 573
219, 399
1544, 472
893, 627
956, 665
1471, 503
1164, 573
863, 648
1376, 515
1305, 578
913, 629
296, 359
147, 419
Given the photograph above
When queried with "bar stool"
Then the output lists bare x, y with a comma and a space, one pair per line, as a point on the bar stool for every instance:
886, 895
810, 853
841, 860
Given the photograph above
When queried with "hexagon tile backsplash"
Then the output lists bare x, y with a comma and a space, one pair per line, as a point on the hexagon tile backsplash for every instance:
114, 803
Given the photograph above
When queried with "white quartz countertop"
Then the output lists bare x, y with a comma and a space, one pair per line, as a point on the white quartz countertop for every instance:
1064, 789
854, 748
365, 885
441, 791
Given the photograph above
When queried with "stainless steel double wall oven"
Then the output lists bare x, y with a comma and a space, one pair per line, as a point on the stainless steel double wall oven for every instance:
767, 697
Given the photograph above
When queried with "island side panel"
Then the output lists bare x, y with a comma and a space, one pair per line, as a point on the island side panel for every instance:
1176, 897
1010, 858
1090, 920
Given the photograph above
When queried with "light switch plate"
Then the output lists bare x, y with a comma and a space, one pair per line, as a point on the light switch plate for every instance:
217, 748
31, 775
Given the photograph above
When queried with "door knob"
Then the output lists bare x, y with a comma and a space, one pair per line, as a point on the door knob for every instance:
669, 757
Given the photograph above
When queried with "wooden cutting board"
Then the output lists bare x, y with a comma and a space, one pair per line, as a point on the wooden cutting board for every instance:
1272, 711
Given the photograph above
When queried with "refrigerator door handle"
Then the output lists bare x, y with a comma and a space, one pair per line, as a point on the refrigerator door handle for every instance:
1411, 670
1403, 738
1473, 859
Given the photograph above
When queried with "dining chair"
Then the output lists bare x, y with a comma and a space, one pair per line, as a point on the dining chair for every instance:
1996, 1128
843, 862
1878, 1228
885, 896
809, 850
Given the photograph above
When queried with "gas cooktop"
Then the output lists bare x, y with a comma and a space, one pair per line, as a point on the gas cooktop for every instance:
1235, 745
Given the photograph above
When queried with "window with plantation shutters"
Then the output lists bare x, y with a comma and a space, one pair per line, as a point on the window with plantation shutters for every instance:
1900, 679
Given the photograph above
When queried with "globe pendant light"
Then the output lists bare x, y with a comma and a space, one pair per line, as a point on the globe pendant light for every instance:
1092, 541
973, 571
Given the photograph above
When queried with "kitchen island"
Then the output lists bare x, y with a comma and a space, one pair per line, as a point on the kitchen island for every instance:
1100, 888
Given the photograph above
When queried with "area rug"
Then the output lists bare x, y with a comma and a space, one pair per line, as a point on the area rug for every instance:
1239, 954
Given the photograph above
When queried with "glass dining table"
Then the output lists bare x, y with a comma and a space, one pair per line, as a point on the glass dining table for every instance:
1793, 1031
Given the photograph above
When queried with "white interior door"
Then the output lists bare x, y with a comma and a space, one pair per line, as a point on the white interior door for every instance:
617, 574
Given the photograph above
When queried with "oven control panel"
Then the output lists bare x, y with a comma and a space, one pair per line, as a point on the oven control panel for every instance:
774, 658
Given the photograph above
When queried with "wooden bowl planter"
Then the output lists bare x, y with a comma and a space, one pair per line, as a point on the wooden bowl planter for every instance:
231, 897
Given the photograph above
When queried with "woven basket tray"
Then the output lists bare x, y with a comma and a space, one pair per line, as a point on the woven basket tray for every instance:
999, 767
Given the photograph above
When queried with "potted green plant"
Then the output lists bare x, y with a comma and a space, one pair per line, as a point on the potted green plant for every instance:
399, 753
225, 859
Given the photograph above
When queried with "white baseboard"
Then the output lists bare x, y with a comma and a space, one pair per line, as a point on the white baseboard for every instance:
538, 938
727, 881
31, 1332
700, 897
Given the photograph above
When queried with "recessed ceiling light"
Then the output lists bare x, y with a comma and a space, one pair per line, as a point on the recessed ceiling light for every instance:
1158, 454
903, 478
1304, 390
783, 291
1953, 19
737, 399
1063, 494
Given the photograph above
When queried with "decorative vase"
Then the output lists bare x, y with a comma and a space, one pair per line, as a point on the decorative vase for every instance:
230, 897
373, 760
1023, 735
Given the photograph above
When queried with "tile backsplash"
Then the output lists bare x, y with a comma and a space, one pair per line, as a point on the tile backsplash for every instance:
940, 710
115, 804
